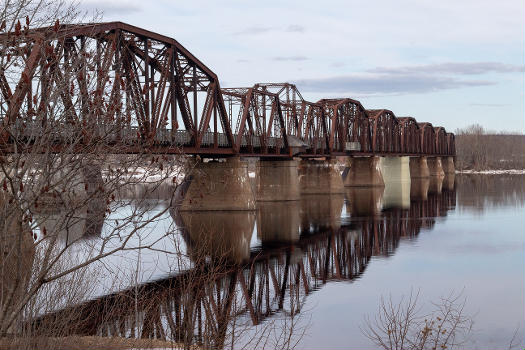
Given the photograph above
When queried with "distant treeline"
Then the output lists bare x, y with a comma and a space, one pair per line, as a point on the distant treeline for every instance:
478, 149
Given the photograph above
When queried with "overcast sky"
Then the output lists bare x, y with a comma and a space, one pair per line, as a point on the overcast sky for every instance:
452, 63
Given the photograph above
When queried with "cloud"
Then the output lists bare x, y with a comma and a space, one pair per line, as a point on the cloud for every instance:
386, 84
488, 104
110, 7
409, 79
295, 28
337, 64
471, 68
290, 58
254, 31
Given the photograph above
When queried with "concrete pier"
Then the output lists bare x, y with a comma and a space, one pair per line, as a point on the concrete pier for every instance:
319, 177
92, 175
419, 167
363, 171
396, 175
434, 166
218, 186
448, 165
277, 180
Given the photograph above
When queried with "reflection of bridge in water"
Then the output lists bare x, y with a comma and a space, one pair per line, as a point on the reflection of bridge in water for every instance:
303, 247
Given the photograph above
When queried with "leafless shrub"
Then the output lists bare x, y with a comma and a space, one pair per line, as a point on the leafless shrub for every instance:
402, 326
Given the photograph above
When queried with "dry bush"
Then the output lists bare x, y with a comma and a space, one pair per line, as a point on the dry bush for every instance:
402, 326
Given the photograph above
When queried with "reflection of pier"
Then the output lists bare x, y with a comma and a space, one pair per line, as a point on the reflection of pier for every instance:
73, 222
199, 305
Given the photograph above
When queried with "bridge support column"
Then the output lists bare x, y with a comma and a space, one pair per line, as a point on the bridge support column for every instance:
434, 166
218, 186
277, 180
363, 171
396, 175
448, 165
320, 177
419, 167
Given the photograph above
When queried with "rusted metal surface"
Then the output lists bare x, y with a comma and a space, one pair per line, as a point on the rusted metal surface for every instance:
152, 93
427, 135
260, 127
410, 137
386, 131
348, 121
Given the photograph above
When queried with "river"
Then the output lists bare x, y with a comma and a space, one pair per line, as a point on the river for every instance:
319, 266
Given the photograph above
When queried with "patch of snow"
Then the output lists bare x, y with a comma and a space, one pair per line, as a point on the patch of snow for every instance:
251, 174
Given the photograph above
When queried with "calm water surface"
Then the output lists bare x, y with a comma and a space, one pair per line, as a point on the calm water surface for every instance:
333, 258
478, 248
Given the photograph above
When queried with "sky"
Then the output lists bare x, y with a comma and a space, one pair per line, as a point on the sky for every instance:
452, 63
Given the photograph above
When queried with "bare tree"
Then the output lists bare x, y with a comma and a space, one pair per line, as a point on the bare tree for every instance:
67, 174
479, 149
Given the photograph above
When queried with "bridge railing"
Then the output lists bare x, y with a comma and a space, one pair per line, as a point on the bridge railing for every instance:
69, 133
410, 136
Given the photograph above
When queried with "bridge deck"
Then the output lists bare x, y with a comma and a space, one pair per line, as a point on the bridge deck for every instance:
171, 141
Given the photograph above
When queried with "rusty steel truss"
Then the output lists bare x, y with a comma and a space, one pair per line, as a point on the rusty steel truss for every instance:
134, 88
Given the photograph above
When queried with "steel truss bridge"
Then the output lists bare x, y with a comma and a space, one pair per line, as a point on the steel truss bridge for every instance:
138, 90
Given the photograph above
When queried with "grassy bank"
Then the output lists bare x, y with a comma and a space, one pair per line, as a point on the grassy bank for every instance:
84, 343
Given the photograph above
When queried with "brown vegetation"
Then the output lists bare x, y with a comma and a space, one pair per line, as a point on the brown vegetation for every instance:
85, 343
478, 149
399, 326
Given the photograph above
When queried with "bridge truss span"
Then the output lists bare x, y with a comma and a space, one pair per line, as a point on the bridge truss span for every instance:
125, 86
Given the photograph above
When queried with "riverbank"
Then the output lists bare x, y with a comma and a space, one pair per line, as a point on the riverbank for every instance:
493, 172
86, 343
